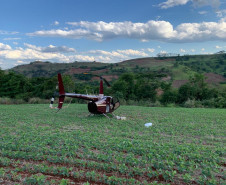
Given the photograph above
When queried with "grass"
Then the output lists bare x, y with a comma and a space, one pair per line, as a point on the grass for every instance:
184, 146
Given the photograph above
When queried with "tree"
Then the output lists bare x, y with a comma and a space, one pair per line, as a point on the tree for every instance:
14, 86
185, 92
120, 86
196, 89
169, 96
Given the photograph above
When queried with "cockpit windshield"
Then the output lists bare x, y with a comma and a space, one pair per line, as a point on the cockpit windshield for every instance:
115, 103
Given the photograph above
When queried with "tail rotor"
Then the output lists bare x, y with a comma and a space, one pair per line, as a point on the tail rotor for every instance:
53, 98
61, 94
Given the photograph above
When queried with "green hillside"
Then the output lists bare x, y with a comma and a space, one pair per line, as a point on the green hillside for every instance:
177, 69
190, 81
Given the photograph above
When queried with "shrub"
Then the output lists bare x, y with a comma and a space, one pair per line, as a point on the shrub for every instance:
10, 101
155, 104
168, 97
36, 100
193, 104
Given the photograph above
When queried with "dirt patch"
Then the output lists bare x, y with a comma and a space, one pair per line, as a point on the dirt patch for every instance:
168, 78
212, 78
159, 92
78, 71
99, 71
178, 83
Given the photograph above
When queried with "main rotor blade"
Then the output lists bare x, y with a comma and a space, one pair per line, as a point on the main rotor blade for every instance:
107, 83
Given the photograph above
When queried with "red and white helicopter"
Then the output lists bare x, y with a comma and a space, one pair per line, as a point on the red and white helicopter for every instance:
98, 104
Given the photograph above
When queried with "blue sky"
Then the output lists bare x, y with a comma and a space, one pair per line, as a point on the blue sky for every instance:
108, 31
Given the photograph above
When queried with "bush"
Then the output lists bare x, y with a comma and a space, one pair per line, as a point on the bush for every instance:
10, 101
155, 104
219, 102
209, 103
5, 101
168, 97
193, 104
36, 101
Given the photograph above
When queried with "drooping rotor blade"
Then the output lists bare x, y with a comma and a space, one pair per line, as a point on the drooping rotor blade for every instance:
107, 83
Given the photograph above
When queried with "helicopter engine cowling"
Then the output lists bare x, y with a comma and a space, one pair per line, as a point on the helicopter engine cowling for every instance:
101, 106
105, 105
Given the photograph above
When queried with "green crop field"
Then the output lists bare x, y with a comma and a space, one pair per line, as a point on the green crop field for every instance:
40, 146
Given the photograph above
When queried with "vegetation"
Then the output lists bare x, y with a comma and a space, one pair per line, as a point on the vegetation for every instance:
183, 64
184, 146
130, 88
190, 81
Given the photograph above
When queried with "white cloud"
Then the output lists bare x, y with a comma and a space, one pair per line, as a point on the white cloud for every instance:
21, 62
118, 55
51, 48
4, 47
203, 49
203, 12
56, 23
2, 32
131, 52
197, 3
218, 47
182, 50
74, 34
31, 54
151, 50
205, 31
172, 3
192, 50
100, 31
213, 3
151, 30
83, 58
163, 52
221, 13
56, 54
12, 38
112, 54
61, 49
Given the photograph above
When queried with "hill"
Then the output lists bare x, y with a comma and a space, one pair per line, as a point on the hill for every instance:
177, 69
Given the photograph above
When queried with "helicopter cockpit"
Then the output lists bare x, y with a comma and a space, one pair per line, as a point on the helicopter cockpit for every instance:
114, 103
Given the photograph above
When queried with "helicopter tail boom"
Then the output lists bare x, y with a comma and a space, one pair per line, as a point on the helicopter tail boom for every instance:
61, 91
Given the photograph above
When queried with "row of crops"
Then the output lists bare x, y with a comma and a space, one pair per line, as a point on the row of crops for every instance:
184, 146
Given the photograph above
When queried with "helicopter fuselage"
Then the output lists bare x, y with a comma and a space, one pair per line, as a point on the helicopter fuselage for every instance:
98, 104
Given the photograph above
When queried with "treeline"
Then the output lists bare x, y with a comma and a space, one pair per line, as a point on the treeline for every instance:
149, 89
146, 89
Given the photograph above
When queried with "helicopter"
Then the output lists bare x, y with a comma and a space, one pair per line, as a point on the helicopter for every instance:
98, 104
